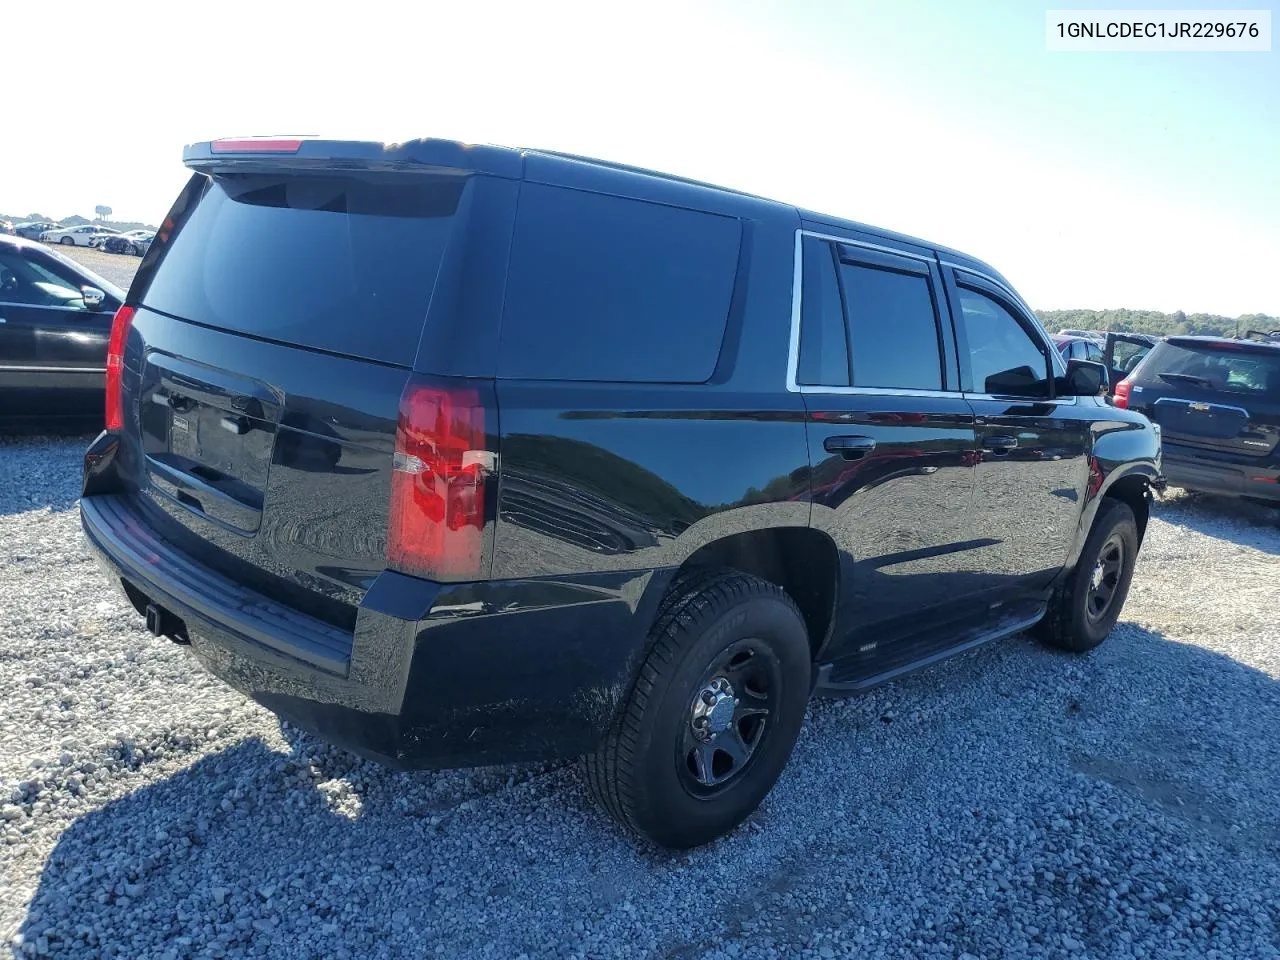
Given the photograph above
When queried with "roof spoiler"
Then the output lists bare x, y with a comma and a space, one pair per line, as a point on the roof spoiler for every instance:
313, 153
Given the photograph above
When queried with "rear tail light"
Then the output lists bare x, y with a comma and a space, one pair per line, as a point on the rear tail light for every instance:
120, 325
440, 476
1121, 396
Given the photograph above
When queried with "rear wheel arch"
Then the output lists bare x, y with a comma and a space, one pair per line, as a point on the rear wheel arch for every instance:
802, 561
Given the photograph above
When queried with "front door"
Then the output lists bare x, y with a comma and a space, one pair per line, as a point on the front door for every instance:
1033, 468
891, 444
53, 345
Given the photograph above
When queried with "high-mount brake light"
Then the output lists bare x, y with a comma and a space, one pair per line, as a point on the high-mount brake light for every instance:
252, 145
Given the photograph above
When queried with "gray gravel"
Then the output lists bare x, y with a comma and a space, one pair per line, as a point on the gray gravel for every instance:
1014, 802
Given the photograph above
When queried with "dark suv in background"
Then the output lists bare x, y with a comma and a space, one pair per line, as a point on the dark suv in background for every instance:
1217, 401
459, 455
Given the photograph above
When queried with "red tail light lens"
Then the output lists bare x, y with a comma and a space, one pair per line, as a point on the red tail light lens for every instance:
1121, 396
437, 516
120, 324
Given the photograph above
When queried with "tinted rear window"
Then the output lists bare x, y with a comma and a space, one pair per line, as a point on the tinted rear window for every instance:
1228, 368
606, 288
336, 263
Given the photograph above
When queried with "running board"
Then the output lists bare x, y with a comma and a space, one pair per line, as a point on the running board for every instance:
825, 686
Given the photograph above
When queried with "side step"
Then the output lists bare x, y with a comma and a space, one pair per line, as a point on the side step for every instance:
829, 684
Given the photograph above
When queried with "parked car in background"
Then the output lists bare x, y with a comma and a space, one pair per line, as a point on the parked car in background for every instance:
1122, 352
55, 320
863, 456
1217, 401
7, 228
133, 242
32, 229
85, 235
1080, 348
1086, 334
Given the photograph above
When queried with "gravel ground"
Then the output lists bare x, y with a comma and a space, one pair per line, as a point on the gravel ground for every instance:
119, 268
1014, 802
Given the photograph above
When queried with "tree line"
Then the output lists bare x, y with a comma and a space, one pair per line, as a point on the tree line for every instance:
1157, 323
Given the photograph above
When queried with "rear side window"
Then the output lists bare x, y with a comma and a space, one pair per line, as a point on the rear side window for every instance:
607, 288
893, 328
1224, 367
342, 264
871, 323
824, 340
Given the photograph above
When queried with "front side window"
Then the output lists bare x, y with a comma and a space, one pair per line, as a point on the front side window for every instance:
1004, 359
29, 284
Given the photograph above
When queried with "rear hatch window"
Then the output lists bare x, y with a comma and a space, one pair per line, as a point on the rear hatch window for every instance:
1223, 368
344, 264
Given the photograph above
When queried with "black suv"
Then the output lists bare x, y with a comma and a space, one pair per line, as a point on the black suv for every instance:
1217, 401
463, 455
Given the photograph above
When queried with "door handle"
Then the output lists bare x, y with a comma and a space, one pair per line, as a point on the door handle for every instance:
1000, 445
851, 448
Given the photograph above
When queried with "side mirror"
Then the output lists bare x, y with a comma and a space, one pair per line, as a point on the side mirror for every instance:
93, 297
1084, 378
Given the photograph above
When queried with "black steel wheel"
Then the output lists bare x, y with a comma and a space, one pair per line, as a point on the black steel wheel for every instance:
1085, 607
714, 712
728, 717
1104, 578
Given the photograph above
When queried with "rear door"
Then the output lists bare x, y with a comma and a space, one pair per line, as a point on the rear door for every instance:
1123, 353
1033, 466
891, 443
1218, 398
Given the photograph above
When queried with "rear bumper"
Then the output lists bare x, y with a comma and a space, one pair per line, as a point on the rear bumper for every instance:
1230, 478
433, 675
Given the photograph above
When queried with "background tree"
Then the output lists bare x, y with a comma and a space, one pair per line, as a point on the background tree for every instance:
102, 212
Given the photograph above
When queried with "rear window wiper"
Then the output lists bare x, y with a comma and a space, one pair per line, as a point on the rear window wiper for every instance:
1185, 378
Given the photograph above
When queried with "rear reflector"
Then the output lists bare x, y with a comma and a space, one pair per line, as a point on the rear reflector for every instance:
1121, 396
120, 324
435, 526
252, 145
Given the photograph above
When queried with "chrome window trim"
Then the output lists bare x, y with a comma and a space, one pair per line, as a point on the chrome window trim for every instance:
78, 311
8, 368
877, 391
793, 351
1004, 398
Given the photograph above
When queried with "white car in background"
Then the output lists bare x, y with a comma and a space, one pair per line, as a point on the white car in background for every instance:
85, 235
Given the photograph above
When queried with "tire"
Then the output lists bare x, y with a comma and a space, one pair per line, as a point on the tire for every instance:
714, 629
132, 251
1074, 621
67, 241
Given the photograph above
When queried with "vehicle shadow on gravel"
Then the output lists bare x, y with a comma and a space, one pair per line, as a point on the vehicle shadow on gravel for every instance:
994, 806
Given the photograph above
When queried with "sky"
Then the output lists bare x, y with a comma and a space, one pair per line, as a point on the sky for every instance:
1094, 180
